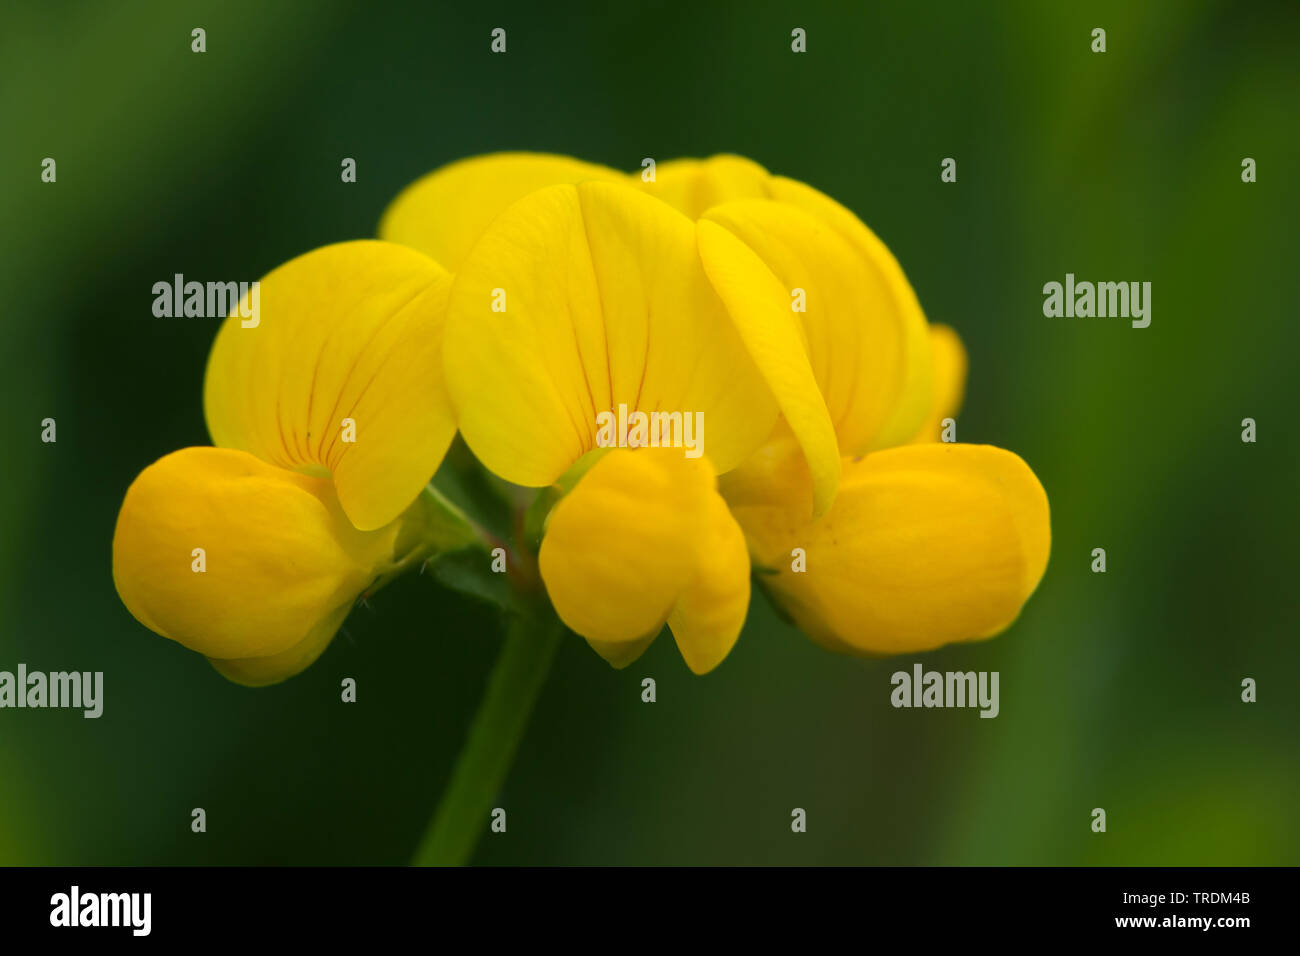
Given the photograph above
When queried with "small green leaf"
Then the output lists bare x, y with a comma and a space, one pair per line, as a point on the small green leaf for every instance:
470, 573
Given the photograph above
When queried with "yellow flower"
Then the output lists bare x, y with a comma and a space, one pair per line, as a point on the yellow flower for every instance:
607, 307
678, 556
924, 544
575, 296
342, 376
715, 300
331, 416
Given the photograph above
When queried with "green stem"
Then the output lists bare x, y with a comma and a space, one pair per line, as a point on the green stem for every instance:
484, 762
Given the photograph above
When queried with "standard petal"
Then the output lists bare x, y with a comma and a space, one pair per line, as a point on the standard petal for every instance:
693, 185
279, 560
926, 544
856, 335
948, 358
644, 539
341, 374
760, 305
890, 291
577, 302
865, 334
444, 213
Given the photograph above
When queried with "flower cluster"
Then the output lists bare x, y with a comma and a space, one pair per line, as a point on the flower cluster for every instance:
522, 300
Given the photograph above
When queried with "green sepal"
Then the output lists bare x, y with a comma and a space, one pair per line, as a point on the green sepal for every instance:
469, 572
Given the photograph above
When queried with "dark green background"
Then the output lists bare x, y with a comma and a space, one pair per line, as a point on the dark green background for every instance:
1118, 690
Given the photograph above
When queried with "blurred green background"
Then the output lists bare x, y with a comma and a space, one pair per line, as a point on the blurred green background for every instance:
1119, 690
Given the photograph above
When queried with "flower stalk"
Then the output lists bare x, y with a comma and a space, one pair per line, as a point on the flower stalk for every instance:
521, 670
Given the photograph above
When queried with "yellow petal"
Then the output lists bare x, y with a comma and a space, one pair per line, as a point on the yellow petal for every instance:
760, 306
263, 671
341, 374
926, 544
601, 302
776, 475
444, 213
619, 654
856, 335
693, 185
865, 333
620, 549
710, 613
280, 563
948, 357
890, 291
644, 539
